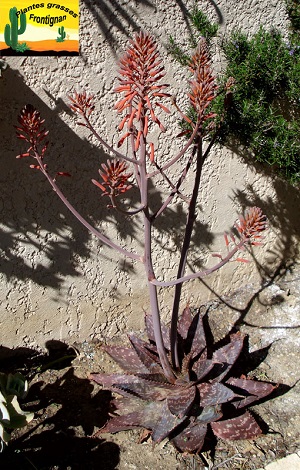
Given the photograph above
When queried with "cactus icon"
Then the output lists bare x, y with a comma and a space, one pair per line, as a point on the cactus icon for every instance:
12, 31
61, 32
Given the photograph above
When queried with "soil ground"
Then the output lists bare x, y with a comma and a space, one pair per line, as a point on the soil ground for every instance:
69, 409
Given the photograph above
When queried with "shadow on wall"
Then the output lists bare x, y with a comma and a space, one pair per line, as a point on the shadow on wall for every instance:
39, 238
112, 16
283, 214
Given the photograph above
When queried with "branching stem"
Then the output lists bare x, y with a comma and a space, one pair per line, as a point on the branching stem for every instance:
81, 219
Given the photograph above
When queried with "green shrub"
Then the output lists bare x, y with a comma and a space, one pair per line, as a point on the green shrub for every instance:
263, 113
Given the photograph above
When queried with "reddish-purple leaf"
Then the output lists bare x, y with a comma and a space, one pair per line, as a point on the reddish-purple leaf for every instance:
184, 322
228, 354
130, 385
150, 331
196, 335
257, 390
148, 358
123, 423
242, 427
166, 423
214, 394
202, 367
144, 390
181, 400
191, 439
127, 358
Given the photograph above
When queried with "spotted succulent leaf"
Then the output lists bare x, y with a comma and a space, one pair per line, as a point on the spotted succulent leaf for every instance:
256, 389
184, 322
150, 331
241, 427
127, 358
150, 359
198, 397
181, 400
227, 355
191, 439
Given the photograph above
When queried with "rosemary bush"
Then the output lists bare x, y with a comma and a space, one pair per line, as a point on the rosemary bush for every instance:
262, 115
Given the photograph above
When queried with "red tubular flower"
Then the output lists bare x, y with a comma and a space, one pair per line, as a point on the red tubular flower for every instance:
114, 178
203, 86
252, 225
82, 103
31, 129
140, 71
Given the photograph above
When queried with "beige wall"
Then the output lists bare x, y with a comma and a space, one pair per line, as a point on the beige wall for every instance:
57, 281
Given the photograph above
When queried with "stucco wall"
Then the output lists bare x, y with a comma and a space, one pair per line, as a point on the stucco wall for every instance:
57, 281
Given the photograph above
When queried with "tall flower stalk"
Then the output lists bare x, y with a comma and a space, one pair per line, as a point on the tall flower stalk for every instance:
142, 96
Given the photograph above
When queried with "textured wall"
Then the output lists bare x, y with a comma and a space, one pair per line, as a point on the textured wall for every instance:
57, 281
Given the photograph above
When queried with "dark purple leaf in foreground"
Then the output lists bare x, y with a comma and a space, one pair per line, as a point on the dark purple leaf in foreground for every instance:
182, 410
150, 331
191, 439
214, 394
257, 390
242, 427
127, 358
181, 400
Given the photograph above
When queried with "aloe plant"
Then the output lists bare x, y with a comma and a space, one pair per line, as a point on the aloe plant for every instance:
171, 386
12, 387
200, 396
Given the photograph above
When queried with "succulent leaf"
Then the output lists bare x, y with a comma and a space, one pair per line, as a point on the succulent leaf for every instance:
150, 359
228, 354
215, 394
256, 389
166, 424
181, 400
202, 367
182, 410
196, 335
192, 438
241, 427
184, 322
127, 358
150, 331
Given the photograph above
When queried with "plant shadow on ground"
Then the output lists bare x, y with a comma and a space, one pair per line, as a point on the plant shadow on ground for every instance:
67, 410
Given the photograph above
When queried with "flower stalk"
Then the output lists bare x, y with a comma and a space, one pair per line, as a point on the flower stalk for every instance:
140, 104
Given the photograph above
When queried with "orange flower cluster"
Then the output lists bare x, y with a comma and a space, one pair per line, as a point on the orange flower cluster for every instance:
114, 177
252, 225
140, 71
31, 130
82, 103
203, 86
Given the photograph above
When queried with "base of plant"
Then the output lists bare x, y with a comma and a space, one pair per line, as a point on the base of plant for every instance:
203, 394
